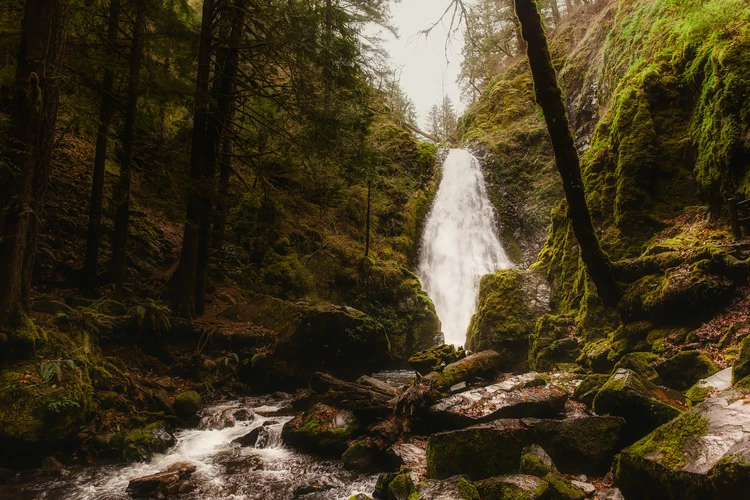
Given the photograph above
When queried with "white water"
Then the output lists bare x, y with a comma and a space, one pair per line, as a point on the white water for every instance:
459, 244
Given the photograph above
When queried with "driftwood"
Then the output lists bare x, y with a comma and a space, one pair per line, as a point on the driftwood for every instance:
368, 402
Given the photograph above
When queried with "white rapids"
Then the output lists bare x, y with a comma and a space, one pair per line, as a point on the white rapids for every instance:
459, 244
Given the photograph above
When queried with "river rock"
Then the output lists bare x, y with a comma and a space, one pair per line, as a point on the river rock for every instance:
536, 462
527, 395
455, 488
684, 369
52, 466
587, 390
562, 489
704, 453
717, 382
257, 437
513, 486
163, 484
642, 404
464, 369
322, 429
187, 404
580, 443
432, 359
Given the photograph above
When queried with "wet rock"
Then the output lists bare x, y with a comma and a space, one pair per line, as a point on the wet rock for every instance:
455, 488
372, 452
412, 454
595, 356
187, 404
610, 494
642, 404
741, 366
141, 444
642, 363
513, 486
703, 453
459, 387
306, 489
561, 489
165, 383
684, 369
589, 387
432, 359
359, 496
160, 401
465, 369
218, 420
717, 382
381, 487
257, 437
401, 486
368, 402
527, 395
243, 415
322, 429
510, 302
163, 484
579, 443
536, 462
52, 466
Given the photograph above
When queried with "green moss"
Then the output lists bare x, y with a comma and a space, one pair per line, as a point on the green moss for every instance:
684, 369
589, 387
563, 489
434, 358
668, 442
187, 404
741, 366
401, 487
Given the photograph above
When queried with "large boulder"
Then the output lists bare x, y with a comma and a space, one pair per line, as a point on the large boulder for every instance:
717, 382
527, 395
741, 367
187, 404
684, 369
455, 488
579, 443
335, 339
322, 429
510, 302
644, 405
166, 484
465, 369
139, 445
704, 453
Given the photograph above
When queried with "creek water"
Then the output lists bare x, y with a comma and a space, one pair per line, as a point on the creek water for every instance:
225, 470
459, 244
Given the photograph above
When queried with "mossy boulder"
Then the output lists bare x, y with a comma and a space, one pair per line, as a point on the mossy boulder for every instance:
138, 445
35, 416
536, 462
435, 358
595, 356
701, 454
684, 369
562, 489
644, 405
24, 337
187, 404
454, 488
642, 363
465, 369
510, 302
578, 443
513, 487
741, 366
587, 390
322, 429
401, 487
335, 339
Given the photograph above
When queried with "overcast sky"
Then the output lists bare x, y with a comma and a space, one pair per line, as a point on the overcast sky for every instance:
427, 65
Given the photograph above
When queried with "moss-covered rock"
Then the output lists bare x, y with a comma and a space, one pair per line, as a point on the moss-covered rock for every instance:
684, 369
139, 445
187, 404
587, 390
455, 488
401, 487
553, 342
595, 356
435, 358
536, 462
322, 429
576, 443
561, 489
741, 366
513, 487
642, 363
701, 454
719, 381
642, 404
464, 369
510, 302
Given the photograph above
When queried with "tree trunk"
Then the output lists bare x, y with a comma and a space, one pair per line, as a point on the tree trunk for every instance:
549, 96
122, 190
555, 11
106, 111
367, 221
23, 183
185, 278
225, 172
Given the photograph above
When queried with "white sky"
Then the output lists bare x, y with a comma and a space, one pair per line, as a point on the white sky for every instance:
428, 66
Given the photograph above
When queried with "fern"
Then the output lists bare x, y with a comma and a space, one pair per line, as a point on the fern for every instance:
151, 314
49, 369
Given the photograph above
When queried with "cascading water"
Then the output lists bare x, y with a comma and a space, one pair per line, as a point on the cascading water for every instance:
459, 244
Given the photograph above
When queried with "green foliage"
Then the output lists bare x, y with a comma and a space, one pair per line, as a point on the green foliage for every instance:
152, 316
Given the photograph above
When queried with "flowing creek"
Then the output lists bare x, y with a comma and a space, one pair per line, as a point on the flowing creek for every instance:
225, 470
459, 244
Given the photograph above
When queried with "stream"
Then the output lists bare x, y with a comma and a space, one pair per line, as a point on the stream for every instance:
225, 470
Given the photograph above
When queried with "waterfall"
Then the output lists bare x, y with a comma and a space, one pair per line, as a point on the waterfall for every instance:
459, 244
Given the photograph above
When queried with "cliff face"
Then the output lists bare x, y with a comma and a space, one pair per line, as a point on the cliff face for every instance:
658, 94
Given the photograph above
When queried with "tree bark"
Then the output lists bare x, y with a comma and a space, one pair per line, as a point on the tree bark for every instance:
225, 173
555, 11
549, 96
122, 190
367, 221
23, 182
185, 278
106, 111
